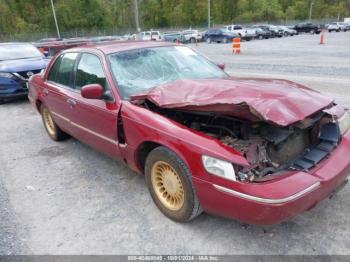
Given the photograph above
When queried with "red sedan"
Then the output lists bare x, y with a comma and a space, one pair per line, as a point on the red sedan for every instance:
256, 150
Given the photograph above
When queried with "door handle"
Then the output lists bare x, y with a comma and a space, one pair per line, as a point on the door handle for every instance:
71, 101
45, 91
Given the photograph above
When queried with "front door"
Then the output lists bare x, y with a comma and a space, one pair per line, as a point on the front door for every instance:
95, 119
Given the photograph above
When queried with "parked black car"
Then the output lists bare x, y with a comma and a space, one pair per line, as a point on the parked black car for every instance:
262, 33
307, 28
274, 30
219, 35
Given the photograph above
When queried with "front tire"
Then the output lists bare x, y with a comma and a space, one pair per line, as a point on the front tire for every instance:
170, 185
52, 129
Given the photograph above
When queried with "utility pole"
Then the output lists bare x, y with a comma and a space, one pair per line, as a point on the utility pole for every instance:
310, 13
54, 17
136, 13
208, 14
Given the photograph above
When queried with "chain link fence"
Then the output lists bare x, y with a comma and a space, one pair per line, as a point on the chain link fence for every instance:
96, 32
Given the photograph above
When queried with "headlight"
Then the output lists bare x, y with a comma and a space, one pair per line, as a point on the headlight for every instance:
344, 123
219, 167
6, 75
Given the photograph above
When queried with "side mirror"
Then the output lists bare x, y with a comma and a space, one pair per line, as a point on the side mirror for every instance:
221, 66
93, 91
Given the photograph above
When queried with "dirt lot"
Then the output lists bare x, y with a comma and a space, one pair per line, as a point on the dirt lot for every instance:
66, 198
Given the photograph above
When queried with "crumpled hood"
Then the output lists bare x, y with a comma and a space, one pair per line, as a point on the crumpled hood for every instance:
278, 101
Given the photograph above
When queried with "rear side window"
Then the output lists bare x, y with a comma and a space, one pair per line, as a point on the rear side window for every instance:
66, 68
89, 71
61, 71
54, 69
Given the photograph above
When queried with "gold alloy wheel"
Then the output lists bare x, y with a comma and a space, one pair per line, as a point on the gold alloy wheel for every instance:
167, 185
49, 124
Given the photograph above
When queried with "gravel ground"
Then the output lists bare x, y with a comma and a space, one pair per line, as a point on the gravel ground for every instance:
66, 198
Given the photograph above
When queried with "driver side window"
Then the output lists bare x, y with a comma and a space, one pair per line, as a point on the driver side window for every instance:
89, 71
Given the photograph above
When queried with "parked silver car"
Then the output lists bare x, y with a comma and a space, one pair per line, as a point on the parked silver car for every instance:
337, 27
287, 31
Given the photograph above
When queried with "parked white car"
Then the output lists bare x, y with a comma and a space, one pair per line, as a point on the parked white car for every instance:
150, 35
337, 27
192, 36
244, 33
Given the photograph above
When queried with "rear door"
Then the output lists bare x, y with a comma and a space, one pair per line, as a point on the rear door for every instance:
58, 90
215, 35
95, 119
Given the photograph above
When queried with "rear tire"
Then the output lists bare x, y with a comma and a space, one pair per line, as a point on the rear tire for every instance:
170, 185
52, 129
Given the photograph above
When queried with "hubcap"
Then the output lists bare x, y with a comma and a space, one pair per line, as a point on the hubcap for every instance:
49, 124
167, 185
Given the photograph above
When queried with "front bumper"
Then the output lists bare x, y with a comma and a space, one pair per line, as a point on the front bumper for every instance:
281, 199
16, 95
12, 88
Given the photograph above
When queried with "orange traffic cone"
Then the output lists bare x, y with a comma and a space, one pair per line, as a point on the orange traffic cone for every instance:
236, 45
321, 39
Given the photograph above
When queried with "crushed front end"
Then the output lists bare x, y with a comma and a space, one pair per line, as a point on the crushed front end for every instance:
291, 168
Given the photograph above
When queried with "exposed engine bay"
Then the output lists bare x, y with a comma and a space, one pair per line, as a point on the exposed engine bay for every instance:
268, 148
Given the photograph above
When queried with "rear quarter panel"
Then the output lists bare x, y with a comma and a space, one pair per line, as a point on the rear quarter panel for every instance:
35, 87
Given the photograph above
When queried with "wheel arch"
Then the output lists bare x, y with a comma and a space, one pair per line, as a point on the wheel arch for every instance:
146, 147
38, 104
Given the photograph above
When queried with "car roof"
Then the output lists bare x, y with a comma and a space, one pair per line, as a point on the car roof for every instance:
118, 46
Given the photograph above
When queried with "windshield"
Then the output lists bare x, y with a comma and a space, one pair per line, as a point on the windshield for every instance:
139, 70
18, 51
